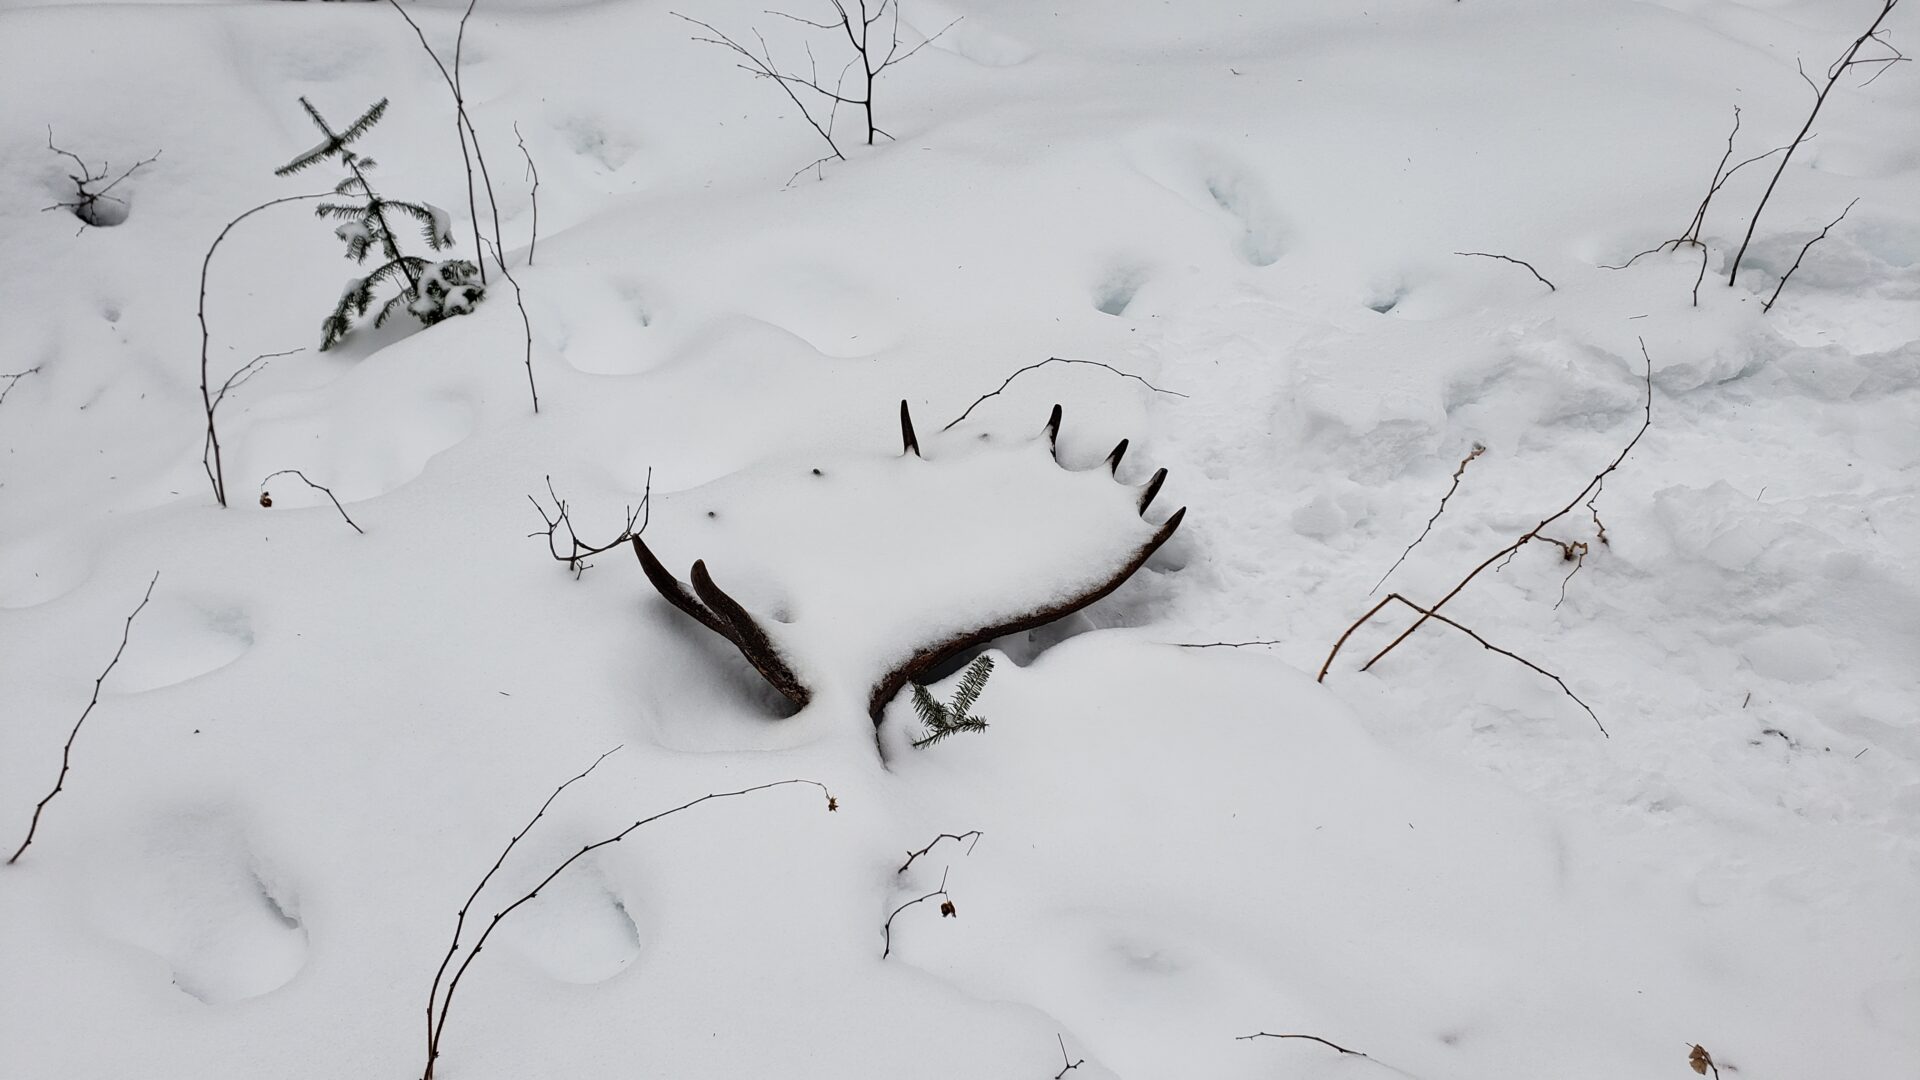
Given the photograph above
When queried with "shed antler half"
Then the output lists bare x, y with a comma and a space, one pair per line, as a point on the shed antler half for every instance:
706, 602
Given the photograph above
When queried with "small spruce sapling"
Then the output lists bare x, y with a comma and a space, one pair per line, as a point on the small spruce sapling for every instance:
433, 290
943, 720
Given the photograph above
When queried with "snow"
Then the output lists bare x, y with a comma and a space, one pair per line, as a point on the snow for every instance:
316, 741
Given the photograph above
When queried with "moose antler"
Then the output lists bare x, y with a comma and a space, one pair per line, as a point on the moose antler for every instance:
721, 613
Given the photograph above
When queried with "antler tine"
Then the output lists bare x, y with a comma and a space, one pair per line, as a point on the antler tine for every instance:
676, 593
911, 444
753, 641
1113, 459
1053, 432
1152, 489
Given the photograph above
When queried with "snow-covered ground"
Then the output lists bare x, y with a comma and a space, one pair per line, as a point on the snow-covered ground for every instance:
316, 742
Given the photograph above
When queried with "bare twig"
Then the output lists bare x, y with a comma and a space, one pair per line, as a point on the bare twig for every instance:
1768, 306
216, 474
468, 136
1691, 235
1067, 1064
1043, 363
855, 21
1849, 59
460, 919
461, 125
577, 551
1313, 1038
66, 752
947, 911
1511, 259
1429, 613
761, 65
533, 196
86, 204
526, 324
267, 500
438, 1023
1223, 644
14, 378
975, 834
210, 443
1587, 493
1458, 472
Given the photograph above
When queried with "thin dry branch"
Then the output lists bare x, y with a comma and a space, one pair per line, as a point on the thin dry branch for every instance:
216, 473
1458, 472
1768, 306
267, 499
1691, 235
533, 196
577, 551
1312, 1038
976, 834
460, 919
461, 124
1849, 59
947, 911
438, 1026
1223, 644
1587, 494
1043, 363
66, 752
1511, 259
526, 324
14, 378
1429, 613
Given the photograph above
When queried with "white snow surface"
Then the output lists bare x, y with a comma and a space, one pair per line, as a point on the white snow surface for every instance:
316, 742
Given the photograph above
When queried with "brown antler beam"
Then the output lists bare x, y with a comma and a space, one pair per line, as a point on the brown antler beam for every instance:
934, 655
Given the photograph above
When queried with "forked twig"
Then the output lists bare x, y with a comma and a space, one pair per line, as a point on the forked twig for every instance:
66, 752
577, 551
976, 834
1458, 472
1511, 259
1055, 360
266, 499
438, 1025
87, 206
1067, 1064
1223, 644
1768, 306
947, 911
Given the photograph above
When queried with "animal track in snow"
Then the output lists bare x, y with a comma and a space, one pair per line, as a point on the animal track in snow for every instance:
1262, 233
181, 639
1213, 182
1116, 291
578, 931
188, 887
